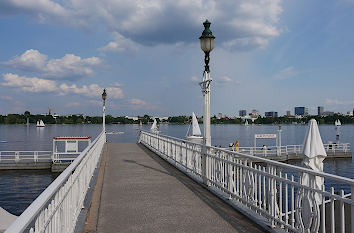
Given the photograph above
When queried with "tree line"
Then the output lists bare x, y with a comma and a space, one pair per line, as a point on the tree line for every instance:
81, 119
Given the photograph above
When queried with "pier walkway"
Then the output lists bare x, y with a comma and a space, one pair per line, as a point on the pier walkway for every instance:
137, 191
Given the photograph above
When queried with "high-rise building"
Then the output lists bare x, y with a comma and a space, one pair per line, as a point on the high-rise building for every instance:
242, 113
271, 114
288, 113
320, 110
301, 111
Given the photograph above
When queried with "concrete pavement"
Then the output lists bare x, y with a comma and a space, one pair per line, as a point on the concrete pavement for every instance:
137, 191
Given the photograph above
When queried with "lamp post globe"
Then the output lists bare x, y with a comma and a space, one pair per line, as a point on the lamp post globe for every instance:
104, 95
207, 43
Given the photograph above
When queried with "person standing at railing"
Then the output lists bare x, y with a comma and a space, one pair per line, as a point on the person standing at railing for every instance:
264, 148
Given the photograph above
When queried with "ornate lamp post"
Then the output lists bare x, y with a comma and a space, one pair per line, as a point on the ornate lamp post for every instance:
207, 45
104, 97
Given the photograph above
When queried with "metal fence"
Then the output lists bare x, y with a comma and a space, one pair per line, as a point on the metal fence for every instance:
58, 206
290, 149
264, 187
25, 156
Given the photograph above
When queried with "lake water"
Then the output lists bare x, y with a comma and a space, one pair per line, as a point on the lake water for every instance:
19, 188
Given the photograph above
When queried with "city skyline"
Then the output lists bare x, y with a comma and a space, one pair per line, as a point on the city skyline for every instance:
268, 54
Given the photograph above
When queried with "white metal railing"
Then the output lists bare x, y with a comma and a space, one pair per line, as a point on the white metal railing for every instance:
290, 149
58, 206
64, 157
25, 156
265, 187
70, 147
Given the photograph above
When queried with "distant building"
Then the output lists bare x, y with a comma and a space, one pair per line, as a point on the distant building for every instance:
242, 113
271, 114
219, 116
320, 110
134, 118
254, 113
327, 113
288, 113
301, 111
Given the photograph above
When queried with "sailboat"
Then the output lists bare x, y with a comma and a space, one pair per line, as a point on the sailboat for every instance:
153, 128
337, 123
246, 122
196, 134
140, 124
40, 124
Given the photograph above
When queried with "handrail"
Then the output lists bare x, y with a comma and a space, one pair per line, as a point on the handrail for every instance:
268, 161
284, 194
37, 206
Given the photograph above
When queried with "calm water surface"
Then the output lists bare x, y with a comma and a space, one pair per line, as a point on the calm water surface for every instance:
19, 188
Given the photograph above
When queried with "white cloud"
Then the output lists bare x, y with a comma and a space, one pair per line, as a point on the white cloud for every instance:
43, 10
86, 90
69, 66
29, 60
247, 43
338, 102
29, 84
242, 24
38, 85
141, 104
114, 93
120, 44
285, 73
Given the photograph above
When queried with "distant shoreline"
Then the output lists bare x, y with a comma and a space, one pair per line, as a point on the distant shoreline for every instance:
146, 119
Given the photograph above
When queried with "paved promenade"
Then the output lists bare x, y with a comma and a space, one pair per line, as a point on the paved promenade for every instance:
136, 191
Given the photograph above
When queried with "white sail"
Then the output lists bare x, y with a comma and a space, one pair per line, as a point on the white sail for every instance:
246, 122
40, 123
154, 126
141, 124
195, 126
338, 123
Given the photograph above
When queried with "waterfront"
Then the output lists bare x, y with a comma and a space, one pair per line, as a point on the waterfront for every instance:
19, 188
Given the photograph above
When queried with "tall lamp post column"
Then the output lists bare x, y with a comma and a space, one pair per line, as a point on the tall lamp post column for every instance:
207, 45
104, 97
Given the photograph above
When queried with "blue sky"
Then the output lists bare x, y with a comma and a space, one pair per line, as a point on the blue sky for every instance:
269, 55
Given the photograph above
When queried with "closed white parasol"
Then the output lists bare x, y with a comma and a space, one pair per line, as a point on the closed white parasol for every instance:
314, 154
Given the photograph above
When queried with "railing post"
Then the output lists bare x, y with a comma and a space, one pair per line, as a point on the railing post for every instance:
17, 156
204, 165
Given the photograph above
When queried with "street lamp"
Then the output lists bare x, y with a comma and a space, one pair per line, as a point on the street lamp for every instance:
104, 97
207, 45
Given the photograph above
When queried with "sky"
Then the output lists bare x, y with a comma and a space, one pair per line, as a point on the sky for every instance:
269, 55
